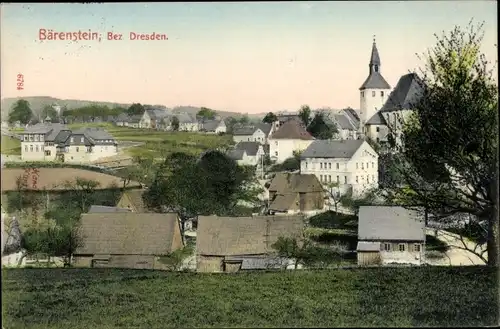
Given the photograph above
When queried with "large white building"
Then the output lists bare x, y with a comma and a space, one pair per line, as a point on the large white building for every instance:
353, 164
56, 142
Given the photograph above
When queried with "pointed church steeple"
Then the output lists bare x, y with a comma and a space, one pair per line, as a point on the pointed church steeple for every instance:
374, 59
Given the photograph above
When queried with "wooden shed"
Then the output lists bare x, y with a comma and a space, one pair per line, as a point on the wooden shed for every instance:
225, 244
127, 239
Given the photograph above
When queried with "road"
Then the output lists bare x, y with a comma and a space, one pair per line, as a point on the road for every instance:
455, 256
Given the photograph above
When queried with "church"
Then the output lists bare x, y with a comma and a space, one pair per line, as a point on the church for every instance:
380, 107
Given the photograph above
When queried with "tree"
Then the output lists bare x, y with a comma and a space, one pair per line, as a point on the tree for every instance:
21, 112
230, 124
320, 129
449, 142
333, 192
175, 123
49, 111
206, 113
135, 109
305, 114
270, 118
244, 120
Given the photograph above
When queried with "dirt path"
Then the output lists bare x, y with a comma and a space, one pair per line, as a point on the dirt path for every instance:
455, 256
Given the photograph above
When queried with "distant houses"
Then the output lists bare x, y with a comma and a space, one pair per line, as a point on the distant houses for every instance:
248, 153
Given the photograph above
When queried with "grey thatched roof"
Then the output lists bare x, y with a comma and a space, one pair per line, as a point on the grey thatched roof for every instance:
295, 182
385, 223
377, 119
332, 149
408, 91
211, 125
292, 129
237, 236
251, 148
127, 233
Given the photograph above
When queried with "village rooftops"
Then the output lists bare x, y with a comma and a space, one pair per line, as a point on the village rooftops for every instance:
292, 129
386, 223
344, 149
295, 183
376, 119
211, 125
251, 129
344, 122
45, 128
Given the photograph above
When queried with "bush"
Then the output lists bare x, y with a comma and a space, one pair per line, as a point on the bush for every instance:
349, 240
43, 164
434, 244
331, 219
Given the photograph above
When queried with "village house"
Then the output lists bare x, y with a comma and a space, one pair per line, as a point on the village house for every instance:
390, 235
56, 142
127, 240
295, 193
254, 133
347, 124
291, 137
352, 164
151, 118
217, 126
187, 122
231, 244
248, 153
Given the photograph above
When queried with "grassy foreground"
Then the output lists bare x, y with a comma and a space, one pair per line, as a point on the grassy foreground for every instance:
10, 146
107, 298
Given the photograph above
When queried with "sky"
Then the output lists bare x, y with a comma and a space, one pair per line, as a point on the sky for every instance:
247, 57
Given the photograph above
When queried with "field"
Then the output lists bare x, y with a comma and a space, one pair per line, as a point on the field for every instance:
10, 146
160, 143
107, 298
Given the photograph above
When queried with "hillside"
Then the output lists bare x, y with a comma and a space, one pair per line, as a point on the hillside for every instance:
39, 102
370, 297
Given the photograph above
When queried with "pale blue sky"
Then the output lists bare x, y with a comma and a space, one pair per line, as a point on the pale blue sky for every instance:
248, 57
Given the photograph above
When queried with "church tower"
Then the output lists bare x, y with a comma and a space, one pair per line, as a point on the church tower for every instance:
374, 91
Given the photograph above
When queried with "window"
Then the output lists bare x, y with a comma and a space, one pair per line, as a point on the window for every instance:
81, 140
276, 143
320, 178
338, 166
329, 166
77, 149
306, 165
373, 164
367, 179
356, 179
47, 153
376, 68
25, 148
373, 93
401, 247
345, 179
72, 140
37, 138
362, 165
329, 178
378, 139
382, 93
31, 138
37, 149
338, 179
321, 165
41, 138
373, 178
276, 153
378, 129
357, 166
387, 246
367, 165
362, 94
31, 148
416, 247
25, 138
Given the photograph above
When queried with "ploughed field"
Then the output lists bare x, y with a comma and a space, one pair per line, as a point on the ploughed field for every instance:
109, 298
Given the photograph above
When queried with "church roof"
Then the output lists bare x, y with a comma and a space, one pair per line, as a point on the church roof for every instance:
407, 92
375, 80
376, 119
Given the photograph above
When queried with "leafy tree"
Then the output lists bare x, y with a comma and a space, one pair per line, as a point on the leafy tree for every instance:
305, 114
320, 129
206, 113
175, 123
270, 118
230, 124
49, 111
244, 120
135, 109
21, 112
449, 142
370, 198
